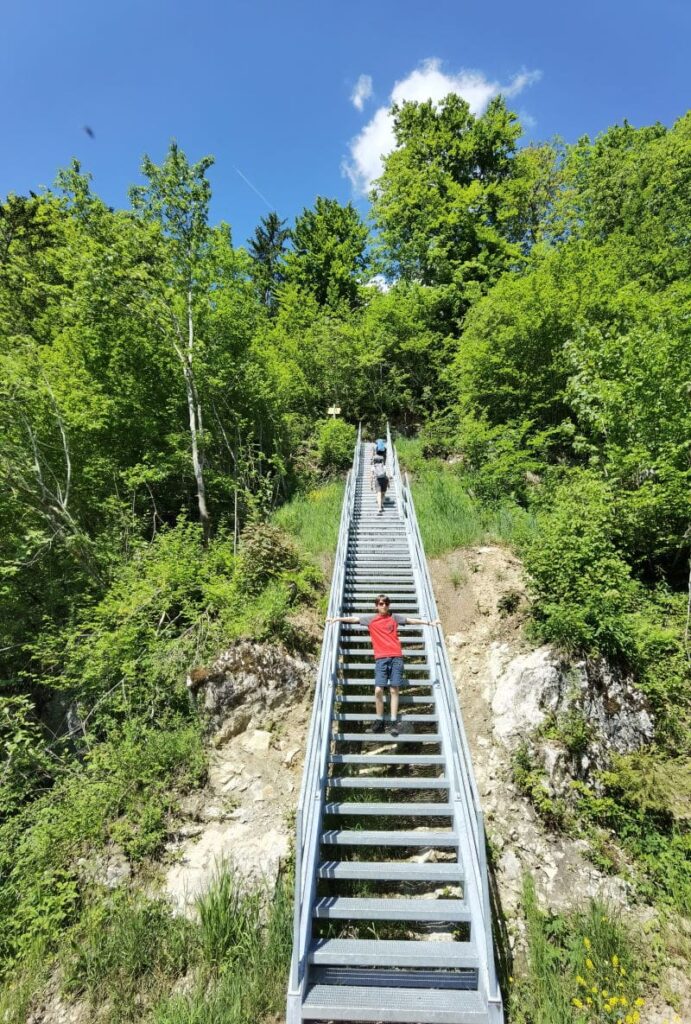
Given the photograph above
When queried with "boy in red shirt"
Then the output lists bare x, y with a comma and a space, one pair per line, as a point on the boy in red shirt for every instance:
388, 654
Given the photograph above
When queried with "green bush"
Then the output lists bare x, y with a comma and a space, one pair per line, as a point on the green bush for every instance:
583, 589
335, 445
123, 793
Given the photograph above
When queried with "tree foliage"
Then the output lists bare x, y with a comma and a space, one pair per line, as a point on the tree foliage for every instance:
267, 248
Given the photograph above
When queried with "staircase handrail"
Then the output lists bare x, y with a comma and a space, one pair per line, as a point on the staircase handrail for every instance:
461, 768
310, 803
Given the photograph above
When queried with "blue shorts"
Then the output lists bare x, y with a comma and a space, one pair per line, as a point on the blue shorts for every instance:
388, 671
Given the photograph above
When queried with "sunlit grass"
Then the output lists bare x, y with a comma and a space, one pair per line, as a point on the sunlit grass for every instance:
449, 515
130, 959
313, 518
582, 968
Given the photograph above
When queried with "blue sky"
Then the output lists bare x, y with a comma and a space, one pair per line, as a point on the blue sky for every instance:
267, 87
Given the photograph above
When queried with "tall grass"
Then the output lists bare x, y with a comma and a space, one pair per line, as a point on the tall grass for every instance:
129, 945
129, 953
313, 518
450, 516
583, 968
246, 944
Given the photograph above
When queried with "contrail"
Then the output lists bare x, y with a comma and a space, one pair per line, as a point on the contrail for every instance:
254, 189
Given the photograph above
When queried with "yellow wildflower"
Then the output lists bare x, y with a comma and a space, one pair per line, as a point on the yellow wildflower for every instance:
577, 1003
586, 942
589, 964
615, 961
639, 1002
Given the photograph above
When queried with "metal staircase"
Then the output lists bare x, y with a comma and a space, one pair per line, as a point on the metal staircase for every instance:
392, 917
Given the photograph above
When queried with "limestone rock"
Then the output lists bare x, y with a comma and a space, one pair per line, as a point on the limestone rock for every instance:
257, 742
527, 688
245, 682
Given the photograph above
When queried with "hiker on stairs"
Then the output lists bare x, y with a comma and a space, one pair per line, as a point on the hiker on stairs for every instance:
388, 654
379, 480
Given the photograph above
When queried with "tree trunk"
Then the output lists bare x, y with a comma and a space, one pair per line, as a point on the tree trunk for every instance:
196, 428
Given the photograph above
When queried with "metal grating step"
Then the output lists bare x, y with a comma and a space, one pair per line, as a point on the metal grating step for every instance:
346, 837
387, 759
374, 718
395, 870
366, 698
386, 977
393, 953
402, 1006
351, 908
408, 810
387, 782
381, 737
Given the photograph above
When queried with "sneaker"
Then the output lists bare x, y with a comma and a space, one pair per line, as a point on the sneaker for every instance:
394, 728
378, 726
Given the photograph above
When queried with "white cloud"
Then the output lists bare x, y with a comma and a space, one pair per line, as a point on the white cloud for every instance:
427, 82
362, 91
527, 120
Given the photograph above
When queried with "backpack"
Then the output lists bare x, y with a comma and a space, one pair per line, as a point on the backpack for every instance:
380, 446
379, 468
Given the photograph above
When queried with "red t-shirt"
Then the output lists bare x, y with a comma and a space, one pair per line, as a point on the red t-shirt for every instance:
383, 631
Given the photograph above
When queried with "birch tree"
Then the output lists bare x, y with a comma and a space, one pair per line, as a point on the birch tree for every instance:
177, 196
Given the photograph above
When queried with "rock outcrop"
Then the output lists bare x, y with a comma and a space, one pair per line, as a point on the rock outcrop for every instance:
532, 691
256, 700
244, 683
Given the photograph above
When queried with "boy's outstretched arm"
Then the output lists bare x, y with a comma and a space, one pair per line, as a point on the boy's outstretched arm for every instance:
424, 622
343, 618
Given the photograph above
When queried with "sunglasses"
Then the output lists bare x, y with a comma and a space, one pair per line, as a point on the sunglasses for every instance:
383, 604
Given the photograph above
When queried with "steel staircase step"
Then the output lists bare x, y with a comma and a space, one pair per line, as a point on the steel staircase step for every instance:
393, 953
383, 737
409, 810
352, 908
387, 759
367, 717
368, 682
415, 648
387, 782
396, 977
356, 698
391, 870
357, 837
400, 1005
346, 666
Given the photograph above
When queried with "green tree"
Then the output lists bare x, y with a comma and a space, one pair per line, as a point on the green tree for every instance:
443, 204
329, 257
267, 249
